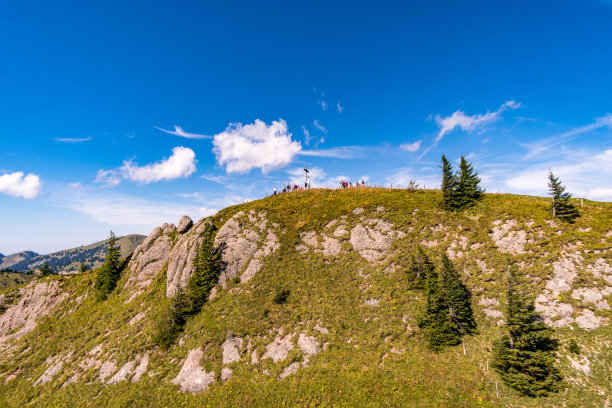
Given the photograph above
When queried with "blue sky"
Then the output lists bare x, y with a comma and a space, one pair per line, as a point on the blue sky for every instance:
124, 116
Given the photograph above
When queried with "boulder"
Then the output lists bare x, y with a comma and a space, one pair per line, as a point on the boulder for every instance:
184, 224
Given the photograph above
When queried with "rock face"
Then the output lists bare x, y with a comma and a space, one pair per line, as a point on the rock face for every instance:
150, 257
192, 378
247, 239
184, 224
507, 240
374, 239
37, 299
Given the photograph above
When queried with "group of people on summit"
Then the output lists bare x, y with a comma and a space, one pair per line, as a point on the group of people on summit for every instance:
287, 188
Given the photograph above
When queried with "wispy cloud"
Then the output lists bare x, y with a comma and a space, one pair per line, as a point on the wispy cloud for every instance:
411, 147
16, 185
323, 105
307, 136
468, 123
219, 179
72, 139
340, 107
319, 126
341, 152
543, 145
181, 164
178, 131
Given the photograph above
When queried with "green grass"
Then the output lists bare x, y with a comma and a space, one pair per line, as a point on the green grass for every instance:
357, 368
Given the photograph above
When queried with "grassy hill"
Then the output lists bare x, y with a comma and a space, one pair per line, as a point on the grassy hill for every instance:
69, 259
347, 334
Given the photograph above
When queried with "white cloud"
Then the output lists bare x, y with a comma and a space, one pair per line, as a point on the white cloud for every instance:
540, 146
241, 148
468, 123
127, 211
72, 139
181, 164
586, 174
323, 105
178, 131
16, 185
75, 186
307, 136
340, 107
216, 178
411, 147
319, 126
110, 178
401, 178
340, 152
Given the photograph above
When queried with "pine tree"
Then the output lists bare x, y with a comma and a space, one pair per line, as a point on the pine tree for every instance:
420, 268
83, 267
451, 199
524, 357
561, 206
109, 273
457, 298
469, 184
45, 270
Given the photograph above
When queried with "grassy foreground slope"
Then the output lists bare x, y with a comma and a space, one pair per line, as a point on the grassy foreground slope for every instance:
348, 303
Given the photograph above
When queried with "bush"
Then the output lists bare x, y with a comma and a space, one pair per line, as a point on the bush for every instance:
281, 297
573, 347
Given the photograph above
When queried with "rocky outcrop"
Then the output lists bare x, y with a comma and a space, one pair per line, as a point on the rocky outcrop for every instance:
150, 257
192, 377
36, 300
247, 238
508, 240
184, 224
374, 239
180, 258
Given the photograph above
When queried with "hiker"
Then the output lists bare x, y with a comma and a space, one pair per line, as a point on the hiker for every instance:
274, 190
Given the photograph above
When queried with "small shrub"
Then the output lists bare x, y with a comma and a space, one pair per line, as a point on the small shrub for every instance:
236, 280
573, 347
281, 297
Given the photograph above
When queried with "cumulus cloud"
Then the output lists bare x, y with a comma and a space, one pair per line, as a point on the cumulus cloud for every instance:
178, 131
181, 164
16, 185
241, 148
468, 123
411, 147
72, 139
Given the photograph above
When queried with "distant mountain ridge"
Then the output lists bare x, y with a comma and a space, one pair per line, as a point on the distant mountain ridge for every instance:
69, 259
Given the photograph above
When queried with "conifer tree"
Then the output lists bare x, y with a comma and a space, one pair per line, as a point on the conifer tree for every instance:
83, 267
524, 356
45, 270
110, 272
207, 267
450, 192
457, 298
469, 184
561, 205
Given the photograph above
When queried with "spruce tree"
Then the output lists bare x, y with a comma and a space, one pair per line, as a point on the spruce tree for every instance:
206, 270
457, 299
110, 272
561, 205
469, 184
451, 199
524, 357
83, 267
